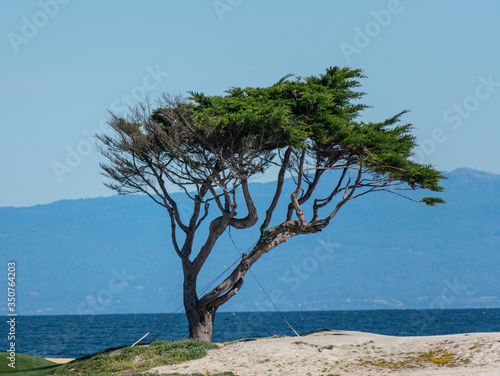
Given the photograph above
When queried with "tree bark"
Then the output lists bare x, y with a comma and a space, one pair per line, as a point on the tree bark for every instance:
200, 318
201, 323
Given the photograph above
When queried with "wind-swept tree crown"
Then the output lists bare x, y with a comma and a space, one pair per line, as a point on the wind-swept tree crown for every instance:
242, 131
318, 113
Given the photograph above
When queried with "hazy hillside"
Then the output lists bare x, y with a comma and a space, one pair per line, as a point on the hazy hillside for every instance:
113, 255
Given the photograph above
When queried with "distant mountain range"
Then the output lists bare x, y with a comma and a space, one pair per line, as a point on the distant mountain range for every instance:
114, 255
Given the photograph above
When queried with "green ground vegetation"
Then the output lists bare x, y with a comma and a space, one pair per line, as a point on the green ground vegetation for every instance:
23, 362
438, 357
127, 360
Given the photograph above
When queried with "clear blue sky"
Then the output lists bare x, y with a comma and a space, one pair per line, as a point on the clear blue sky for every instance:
65, 63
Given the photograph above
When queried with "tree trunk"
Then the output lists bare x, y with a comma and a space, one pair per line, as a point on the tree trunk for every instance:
200, 319
201, 324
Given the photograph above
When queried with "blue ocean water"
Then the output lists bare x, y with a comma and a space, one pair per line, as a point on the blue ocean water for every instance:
71, 336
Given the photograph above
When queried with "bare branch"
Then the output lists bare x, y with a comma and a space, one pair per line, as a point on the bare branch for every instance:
251, 218
294, 196
279, 188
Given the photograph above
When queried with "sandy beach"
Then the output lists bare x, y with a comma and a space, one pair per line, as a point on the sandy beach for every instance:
331, 352
59, 360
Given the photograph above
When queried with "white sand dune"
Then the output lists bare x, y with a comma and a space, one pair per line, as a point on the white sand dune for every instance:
332, 352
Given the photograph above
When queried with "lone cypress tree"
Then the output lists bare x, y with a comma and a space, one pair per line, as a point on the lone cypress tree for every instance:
211, 146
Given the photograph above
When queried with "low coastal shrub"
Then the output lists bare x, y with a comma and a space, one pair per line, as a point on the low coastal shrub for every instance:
135, 359
437, 357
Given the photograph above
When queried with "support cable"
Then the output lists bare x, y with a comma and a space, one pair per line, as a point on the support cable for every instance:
173, 313
201, 292
260, 285
209, 285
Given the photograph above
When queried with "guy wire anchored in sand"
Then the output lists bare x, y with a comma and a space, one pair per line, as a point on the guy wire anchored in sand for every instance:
207, 287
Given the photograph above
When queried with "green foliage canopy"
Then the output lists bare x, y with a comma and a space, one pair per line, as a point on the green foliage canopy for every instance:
316, 113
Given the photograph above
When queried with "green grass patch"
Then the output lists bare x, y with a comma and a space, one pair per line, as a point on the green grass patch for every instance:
23, 362
135, 359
